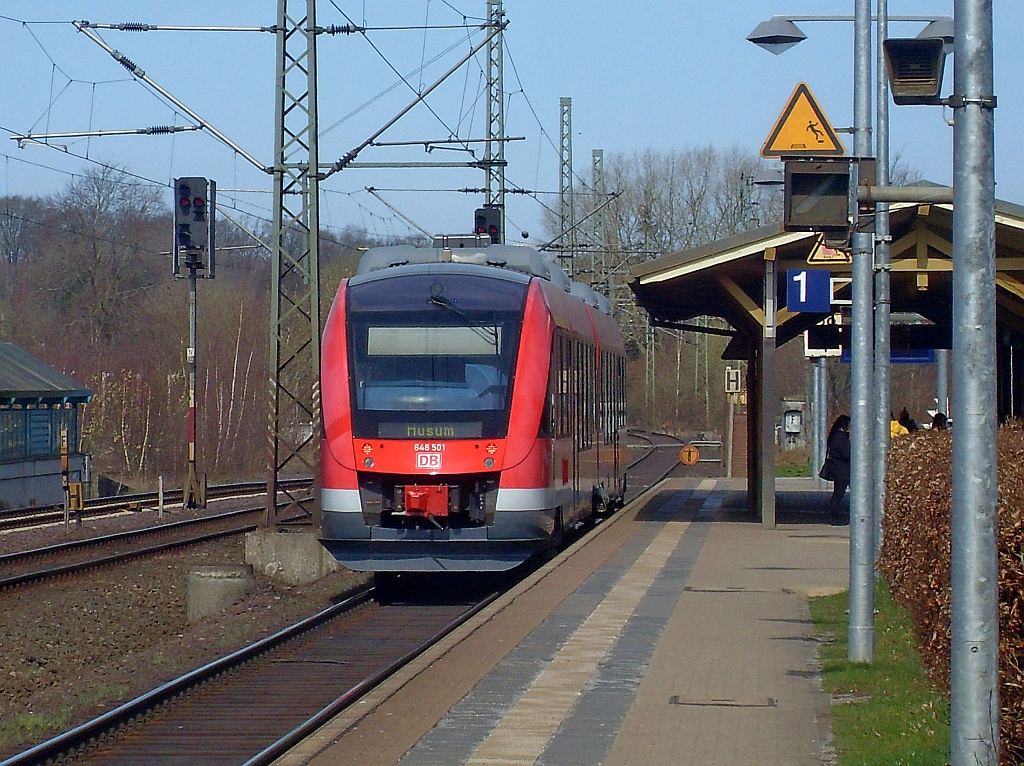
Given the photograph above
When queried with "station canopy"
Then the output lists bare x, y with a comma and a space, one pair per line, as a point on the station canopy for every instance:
726, 278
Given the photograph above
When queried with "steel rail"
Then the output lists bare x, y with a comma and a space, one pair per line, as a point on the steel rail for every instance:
98, 729
16, 557
292, 738
13, 518
82, 566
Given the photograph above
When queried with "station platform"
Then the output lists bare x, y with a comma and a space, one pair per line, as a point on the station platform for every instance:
679, 633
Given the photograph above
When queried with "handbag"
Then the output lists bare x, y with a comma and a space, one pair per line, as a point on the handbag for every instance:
827, 471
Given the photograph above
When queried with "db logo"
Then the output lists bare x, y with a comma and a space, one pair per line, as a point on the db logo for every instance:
428, 460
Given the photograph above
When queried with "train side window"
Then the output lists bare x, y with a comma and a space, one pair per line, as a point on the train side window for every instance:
548, 422
621, 398
564, 371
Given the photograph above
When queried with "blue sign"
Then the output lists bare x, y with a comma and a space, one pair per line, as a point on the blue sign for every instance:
809, 290
900, 356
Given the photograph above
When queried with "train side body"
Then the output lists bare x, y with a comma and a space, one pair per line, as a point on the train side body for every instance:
472, 411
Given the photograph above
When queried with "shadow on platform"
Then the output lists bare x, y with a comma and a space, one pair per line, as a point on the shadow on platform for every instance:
803, 506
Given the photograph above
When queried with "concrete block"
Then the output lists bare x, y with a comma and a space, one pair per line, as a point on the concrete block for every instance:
294, 557
214, 588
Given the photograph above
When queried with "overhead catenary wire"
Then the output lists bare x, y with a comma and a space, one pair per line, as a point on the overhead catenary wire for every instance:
141, 75
397, 212
421, 95
420, 98
471, 24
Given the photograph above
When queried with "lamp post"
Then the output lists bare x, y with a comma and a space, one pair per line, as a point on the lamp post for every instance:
870, 388
861, 632
974, 651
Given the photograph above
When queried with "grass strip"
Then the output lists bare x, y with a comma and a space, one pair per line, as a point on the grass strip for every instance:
885, 712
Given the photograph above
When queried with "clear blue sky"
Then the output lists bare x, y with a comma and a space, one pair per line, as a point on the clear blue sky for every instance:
657, 74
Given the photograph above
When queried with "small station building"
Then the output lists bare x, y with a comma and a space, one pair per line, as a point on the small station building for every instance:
40, 409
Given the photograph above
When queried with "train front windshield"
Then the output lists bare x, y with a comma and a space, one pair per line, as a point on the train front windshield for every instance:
433, 355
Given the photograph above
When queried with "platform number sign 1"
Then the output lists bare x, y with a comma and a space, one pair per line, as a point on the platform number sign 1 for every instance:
809, 290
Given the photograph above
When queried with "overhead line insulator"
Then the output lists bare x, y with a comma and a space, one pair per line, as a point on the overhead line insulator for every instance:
340, 29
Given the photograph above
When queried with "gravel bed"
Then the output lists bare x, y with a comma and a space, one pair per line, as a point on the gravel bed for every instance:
75, 647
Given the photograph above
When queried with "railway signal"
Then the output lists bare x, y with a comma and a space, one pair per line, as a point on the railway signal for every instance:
195, 200
488, 221
190, 223
193, 224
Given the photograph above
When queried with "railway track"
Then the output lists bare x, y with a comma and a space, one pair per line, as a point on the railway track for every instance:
20, 518
30, 566
251, 706
222, 707
659, 458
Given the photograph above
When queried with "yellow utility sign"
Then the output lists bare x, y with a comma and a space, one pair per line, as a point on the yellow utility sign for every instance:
802, 130
689, 455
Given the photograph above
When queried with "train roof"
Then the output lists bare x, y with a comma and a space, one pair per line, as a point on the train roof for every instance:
514, 258
591, 297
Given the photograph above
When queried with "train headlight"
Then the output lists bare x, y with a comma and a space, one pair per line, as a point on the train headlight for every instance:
488, 462
368, 462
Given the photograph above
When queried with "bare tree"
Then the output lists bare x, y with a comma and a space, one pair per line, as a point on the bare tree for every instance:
104, 218
666, 202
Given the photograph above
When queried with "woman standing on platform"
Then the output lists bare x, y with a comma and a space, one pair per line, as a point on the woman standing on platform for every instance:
837, 465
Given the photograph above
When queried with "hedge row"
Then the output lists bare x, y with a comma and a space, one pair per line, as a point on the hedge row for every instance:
915, 559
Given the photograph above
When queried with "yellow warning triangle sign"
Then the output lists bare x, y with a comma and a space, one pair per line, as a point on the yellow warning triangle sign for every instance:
823, 255
802, 130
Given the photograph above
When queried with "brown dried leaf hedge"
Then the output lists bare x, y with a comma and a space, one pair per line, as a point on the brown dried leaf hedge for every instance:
915, 559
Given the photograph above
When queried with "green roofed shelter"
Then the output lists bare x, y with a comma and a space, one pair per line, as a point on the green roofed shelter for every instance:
37, 404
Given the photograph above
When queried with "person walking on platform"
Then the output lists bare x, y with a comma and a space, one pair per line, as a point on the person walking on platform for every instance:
837, 466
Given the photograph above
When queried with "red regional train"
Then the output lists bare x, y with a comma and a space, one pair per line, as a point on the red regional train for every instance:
474, 409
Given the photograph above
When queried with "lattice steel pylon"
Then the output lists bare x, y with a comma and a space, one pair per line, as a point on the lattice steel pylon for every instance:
599, 278
566, 207
295, 412
494, 159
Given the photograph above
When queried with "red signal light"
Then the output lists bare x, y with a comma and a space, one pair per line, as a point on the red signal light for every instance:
198, 202
184, 202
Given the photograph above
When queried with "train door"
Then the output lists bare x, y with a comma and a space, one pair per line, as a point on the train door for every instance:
576, 388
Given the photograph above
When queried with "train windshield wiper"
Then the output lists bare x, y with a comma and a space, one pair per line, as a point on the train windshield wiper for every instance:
490, 334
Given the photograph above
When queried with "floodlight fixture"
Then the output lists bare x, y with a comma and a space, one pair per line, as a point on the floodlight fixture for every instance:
776, 35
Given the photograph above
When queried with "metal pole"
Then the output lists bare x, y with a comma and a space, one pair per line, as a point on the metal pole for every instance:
820, 430
192, 495
599, 280
295, 418
566, 200
942, 384
768, 401
494, 161
730, 434
861, 630
974, 650
883, 380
